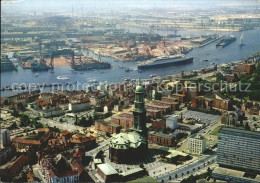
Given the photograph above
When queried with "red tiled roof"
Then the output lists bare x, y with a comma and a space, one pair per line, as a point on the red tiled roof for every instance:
43, 130
81, 139
38, 100
44, 103
76, 165
65, 132
18, 162
26, 141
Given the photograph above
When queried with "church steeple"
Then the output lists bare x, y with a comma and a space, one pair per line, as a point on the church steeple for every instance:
139, 111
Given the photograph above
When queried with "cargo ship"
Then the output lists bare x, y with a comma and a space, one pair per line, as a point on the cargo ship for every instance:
91, 66
226, 41
165, 61
39, 64
88, 63
7, 64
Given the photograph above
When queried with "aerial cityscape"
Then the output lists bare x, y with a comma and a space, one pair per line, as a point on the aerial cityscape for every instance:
137, 91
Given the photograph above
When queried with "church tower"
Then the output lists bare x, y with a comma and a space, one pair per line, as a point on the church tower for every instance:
139, 111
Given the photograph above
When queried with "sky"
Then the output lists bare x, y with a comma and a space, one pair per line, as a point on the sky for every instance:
66, 5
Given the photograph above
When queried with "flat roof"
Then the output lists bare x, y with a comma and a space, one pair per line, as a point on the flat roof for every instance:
108, 123
162, 134
163, 102
132, 171
150, 110
97, 161
248, 133
157, 106
107, 169
234, 173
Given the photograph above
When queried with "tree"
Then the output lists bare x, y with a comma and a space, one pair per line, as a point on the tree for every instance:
83, 122
76, 119
219, 77
235, 79
157, 96
90, 120
13, 126
209, 171
24, 120
15, 113
247, 127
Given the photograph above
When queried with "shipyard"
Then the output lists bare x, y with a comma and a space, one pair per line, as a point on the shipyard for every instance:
130, 91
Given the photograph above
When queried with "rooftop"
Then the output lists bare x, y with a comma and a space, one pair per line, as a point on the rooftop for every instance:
127, 140
240, 132
107, 169
162, 134
197, 136
108, 123
234, 173
132, 171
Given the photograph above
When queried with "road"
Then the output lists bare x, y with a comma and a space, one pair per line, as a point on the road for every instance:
188, 169
102, 146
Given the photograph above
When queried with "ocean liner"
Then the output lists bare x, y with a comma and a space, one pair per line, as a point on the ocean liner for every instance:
164, 61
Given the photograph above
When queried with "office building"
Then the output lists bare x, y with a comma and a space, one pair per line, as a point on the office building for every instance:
4, 138
197, 144
239, 149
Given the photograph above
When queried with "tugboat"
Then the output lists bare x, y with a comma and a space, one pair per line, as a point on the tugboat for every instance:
63, 78
128, 70
127, 79
92, 81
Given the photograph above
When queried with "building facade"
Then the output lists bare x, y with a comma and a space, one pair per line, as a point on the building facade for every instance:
105, 126
172, 122
239, 149
161, 139
197, 144
4, 138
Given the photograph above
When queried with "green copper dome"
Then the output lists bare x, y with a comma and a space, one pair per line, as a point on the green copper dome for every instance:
139, 87
125, 141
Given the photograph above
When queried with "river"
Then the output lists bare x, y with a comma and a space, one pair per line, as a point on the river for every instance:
116, 73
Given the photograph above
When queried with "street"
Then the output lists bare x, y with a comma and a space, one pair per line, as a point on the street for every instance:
188, 169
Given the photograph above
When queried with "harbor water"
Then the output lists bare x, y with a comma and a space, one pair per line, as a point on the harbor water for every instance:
117, 73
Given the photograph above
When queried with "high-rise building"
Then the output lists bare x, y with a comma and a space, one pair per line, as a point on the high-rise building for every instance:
239, 149
4, 138
131, 145
197, 144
